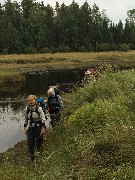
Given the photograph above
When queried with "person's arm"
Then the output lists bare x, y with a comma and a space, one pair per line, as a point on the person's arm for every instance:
26, 121
60, 101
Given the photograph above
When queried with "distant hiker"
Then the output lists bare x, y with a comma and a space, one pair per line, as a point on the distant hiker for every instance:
54, 105
90, 74
34, 126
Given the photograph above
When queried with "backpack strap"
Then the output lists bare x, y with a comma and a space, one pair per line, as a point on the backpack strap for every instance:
30, 111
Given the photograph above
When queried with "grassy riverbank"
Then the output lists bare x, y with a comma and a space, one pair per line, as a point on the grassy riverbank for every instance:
13, 68
41, 62
95, 139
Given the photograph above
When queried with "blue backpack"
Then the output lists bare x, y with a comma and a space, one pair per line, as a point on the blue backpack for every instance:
41, 103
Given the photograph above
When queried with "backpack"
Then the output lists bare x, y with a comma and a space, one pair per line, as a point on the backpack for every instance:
47, 115
53, 104
29, 110
41, 103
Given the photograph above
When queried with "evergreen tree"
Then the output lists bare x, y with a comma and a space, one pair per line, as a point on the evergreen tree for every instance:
74, 32
96, 26
85, 27
105, 28
131, 16
119, 33
30, 27
10, 26
126, 33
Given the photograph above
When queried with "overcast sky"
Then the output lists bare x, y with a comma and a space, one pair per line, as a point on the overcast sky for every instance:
115, 9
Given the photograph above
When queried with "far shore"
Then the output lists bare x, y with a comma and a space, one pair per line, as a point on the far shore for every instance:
13, 67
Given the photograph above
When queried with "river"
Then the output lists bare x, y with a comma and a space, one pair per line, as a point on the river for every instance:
12, 101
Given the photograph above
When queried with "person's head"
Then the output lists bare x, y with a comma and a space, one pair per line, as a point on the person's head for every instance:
32, 100
51, 92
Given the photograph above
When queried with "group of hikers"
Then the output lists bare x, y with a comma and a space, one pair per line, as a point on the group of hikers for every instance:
39, 116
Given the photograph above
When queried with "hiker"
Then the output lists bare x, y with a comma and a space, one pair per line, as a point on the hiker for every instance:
34, 125
54, 105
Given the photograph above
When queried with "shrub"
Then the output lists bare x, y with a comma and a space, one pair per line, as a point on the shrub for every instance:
5, 51
30, 50
64, 49
82, 49
113, 47
123, 47
102, 47
103, 88
45, 50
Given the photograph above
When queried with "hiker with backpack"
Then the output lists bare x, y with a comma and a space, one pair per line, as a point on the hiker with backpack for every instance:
34, 125
54, 105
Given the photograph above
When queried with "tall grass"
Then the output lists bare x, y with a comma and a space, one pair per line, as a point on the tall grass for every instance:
6, 77
94, 140
85, 56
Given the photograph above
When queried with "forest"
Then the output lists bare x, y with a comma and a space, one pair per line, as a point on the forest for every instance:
29, 27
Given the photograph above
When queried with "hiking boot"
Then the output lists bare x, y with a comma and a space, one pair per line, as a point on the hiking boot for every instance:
31, 158
39, 149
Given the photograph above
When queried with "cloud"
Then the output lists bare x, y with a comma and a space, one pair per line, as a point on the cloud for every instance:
115, 10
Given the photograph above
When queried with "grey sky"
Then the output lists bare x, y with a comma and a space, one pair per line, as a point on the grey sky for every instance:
115, 9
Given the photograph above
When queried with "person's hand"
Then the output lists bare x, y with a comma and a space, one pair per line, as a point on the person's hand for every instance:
42, 131
25, 131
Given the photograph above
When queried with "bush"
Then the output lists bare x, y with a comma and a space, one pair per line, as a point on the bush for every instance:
30, 50
123, 47
101, 89
102, 47
113, 47
64, 49
100, 114
82, 49
45, 50
55, 50
5, 51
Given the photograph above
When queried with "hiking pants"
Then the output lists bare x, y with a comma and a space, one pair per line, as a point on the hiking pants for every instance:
34, 138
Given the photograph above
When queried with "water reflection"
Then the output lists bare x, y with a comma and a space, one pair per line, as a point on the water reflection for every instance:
65, 79
38, 83
11, 125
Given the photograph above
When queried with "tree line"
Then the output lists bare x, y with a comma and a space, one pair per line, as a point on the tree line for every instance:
32, 27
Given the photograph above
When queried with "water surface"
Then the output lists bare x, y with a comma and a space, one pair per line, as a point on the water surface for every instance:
11, 108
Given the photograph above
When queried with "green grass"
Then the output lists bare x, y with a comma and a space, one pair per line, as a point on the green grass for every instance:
11, 81
94, 140
6, 77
